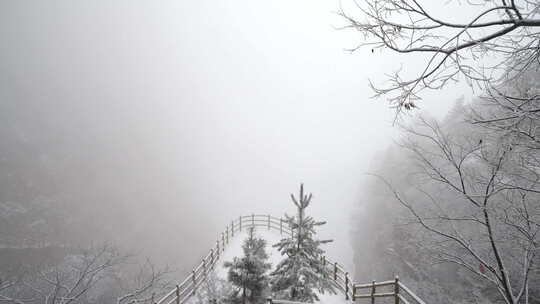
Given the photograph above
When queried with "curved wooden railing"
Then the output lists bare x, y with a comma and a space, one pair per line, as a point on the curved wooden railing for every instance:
184, 290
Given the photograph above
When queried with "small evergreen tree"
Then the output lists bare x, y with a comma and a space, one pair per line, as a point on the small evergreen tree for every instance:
301, 273
248, 274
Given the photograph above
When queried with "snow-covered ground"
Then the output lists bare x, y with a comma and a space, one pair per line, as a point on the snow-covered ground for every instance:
234, 249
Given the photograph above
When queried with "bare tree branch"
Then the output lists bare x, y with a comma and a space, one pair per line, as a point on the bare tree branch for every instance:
507, 32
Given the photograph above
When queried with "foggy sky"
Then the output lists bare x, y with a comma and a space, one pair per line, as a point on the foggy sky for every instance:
163, 120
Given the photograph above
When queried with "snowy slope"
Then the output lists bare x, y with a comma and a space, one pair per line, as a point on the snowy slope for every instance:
234, 249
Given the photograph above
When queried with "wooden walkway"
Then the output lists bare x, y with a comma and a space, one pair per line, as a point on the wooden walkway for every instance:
393, 289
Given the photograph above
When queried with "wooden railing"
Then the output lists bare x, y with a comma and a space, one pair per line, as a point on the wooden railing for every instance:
399, 292
188, 287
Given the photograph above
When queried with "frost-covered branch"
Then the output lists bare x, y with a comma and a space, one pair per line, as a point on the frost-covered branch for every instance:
508, 32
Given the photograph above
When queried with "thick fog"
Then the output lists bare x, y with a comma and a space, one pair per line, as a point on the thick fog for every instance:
153, 124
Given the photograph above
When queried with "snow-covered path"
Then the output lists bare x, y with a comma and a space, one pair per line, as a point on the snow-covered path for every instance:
234, 249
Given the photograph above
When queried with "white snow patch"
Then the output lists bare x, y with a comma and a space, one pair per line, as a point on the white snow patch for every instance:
234, 249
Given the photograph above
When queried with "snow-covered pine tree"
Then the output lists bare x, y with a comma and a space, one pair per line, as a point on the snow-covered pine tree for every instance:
248, 274
301, 273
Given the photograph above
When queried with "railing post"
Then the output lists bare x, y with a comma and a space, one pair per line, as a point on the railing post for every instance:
177, 294
212, 258
346, 286
290, 228
280, 226
194, 281
240, 221
269, 222
324, 260
204, 266
232, 228
269, 300
373, 292
353, 292
253, 220
217, 249
396, 290
335, 271
227, 233
222, 242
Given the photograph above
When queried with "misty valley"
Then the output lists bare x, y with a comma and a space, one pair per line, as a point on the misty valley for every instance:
277, 152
